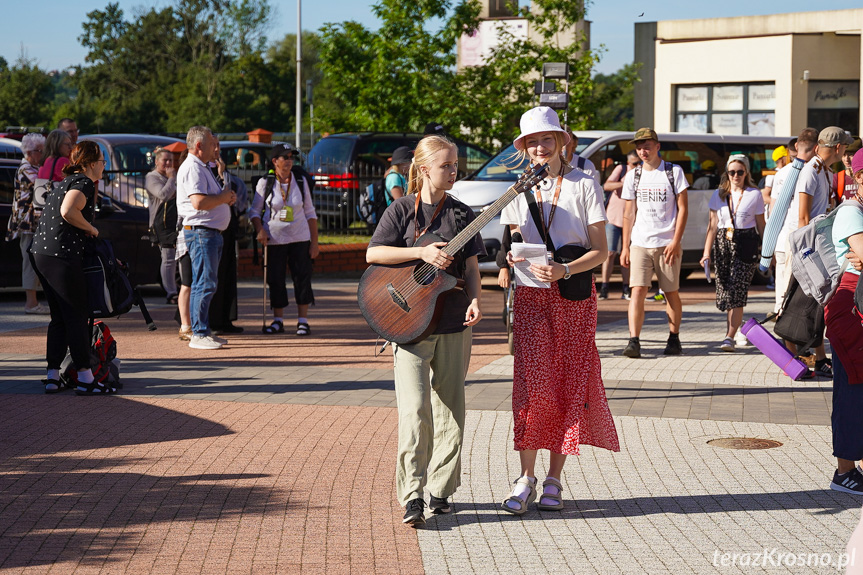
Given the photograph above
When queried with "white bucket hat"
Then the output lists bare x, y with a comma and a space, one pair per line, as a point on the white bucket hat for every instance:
536, 120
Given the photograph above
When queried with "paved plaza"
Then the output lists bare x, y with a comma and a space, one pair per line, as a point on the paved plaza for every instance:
276, 455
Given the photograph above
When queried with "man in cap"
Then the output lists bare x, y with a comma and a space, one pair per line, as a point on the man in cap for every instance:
781, 159
653, 224
812, 198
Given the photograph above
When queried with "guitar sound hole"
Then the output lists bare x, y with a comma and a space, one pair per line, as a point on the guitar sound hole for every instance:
424, 276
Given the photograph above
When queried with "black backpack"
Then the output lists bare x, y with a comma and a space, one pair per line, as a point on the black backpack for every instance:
109, 291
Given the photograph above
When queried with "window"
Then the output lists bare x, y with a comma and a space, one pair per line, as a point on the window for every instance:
834, 104
726, 109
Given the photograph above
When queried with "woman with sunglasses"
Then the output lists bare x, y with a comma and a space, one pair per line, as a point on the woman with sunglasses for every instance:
736, 222
57, 254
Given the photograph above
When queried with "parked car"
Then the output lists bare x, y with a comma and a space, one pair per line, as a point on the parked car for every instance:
345, 163
606, 150
124, 224
128, 159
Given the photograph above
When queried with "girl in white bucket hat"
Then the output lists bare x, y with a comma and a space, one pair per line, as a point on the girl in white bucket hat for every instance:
558, 398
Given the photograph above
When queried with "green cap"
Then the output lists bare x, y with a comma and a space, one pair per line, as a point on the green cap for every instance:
644, 134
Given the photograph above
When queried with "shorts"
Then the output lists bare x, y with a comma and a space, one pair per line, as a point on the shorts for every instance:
644, 262
613, 237
184, 270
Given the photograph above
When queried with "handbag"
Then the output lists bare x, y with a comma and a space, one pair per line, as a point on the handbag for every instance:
109, 291
42, 187
579, 286
745, 240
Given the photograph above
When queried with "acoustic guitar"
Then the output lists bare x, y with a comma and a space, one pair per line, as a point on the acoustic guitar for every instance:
403, 302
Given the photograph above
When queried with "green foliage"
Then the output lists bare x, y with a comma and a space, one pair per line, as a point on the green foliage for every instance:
614, 99
26, 94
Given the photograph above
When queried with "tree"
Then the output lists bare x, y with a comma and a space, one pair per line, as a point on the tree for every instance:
26, 93
614, 98
396, 78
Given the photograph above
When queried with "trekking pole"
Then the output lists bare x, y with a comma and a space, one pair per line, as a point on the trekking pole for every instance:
264, 298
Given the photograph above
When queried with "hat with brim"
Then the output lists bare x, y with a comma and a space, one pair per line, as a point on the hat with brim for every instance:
644, 134
537, 120
282, 151
402, 155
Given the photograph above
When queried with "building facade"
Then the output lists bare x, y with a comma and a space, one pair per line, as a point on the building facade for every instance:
760, 75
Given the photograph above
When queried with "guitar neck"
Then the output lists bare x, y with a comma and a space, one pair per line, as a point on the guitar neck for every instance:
487, 215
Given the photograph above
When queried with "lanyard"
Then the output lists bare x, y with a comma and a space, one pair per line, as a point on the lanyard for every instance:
417, 232
733, 212
547, 226
282, 190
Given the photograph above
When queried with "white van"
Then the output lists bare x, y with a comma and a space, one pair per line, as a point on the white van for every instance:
692, 152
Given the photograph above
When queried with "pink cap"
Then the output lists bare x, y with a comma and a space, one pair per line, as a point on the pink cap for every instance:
857, 161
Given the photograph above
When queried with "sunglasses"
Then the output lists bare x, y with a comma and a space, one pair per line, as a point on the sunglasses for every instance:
733, 173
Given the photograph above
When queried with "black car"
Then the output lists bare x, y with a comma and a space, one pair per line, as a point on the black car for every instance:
345, 163
124, 224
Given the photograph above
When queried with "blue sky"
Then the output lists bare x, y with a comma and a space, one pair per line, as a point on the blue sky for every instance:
48, 30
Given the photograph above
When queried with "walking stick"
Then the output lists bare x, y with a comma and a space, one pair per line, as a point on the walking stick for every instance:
264, 299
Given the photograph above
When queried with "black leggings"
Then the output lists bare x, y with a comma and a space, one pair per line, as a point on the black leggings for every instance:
65, 287
296, 257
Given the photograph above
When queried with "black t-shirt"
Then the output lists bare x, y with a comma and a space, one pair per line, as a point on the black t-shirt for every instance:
396, 229
54, 236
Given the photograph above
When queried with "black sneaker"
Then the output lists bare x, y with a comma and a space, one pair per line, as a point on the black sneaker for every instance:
850, 482
626, 294
603, 292
414, 513
824, 368
633, 348
673, 347
439, 505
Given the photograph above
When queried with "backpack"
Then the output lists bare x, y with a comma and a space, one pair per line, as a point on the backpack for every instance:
813, 256
103, 362
669, 173
270, 186
801, 318
109, 291
373, 202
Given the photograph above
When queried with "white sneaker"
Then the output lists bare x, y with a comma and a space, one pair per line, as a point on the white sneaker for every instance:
727, 344
204, 342
221, 340
38, 309
740, 339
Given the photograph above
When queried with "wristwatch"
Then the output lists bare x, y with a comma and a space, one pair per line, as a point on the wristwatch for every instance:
566, 275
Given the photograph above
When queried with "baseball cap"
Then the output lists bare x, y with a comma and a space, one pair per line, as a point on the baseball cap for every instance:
852, 148
834, 136
644, 134
282, 150
402, 155
779, 153
433, 128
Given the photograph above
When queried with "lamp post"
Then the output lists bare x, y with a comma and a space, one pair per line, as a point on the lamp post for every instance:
299, 75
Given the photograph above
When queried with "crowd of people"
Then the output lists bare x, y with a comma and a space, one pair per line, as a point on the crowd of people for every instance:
559, 401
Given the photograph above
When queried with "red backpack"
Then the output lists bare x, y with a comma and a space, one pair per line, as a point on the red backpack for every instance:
103, 350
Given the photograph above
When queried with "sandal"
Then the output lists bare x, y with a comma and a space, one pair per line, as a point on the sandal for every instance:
53, 385
522, 503
275, 327
303, 328
95, 388
556, 497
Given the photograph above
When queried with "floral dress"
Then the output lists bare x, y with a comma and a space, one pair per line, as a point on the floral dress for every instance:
24, 216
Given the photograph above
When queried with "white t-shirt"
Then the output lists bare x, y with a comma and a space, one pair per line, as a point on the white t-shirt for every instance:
580, 204
589, 168
815, 179
746, 205
656, 204
302, 210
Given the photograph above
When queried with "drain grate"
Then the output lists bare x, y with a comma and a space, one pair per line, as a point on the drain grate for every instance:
744, 443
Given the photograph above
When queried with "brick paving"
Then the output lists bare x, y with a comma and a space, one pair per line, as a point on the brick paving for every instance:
275, 455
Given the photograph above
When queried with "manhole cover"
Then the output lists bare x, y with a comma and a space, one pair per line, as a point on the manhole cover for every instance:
744, 443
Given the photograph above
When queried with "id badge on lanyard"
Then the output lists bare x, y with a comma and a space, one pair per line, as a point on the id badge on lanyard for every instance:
286, 214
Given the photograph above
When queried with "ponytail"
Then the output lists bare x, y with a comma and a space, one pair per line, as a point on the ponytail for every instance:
83, 154
425, 150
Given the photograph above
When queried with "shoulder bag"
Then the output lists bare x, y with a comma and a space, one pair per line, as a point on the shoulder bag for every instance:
579, 286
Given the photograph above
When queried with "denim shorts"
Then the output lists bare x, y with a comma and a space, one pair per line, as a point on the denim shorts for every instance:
614, 237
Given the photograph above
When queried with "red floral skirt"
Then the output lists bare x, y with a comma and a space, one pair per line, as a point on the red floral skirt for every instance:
558, 399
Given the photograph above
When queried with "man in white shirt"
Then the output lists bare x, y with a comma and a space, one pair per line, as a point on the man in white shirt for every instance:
204, 207
653, 224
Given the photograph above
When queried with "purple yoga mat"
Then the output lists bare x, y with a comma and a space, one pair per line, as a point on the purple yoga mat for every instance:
773, 349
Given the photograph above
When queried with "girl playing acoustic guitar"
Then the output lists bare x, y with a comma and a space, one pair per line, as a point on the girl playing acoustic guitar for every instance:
558, 399
430, 374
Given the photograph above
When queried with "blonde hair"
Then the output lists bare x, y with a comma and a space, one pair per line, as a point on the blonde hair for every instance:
519, 157
425, 151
